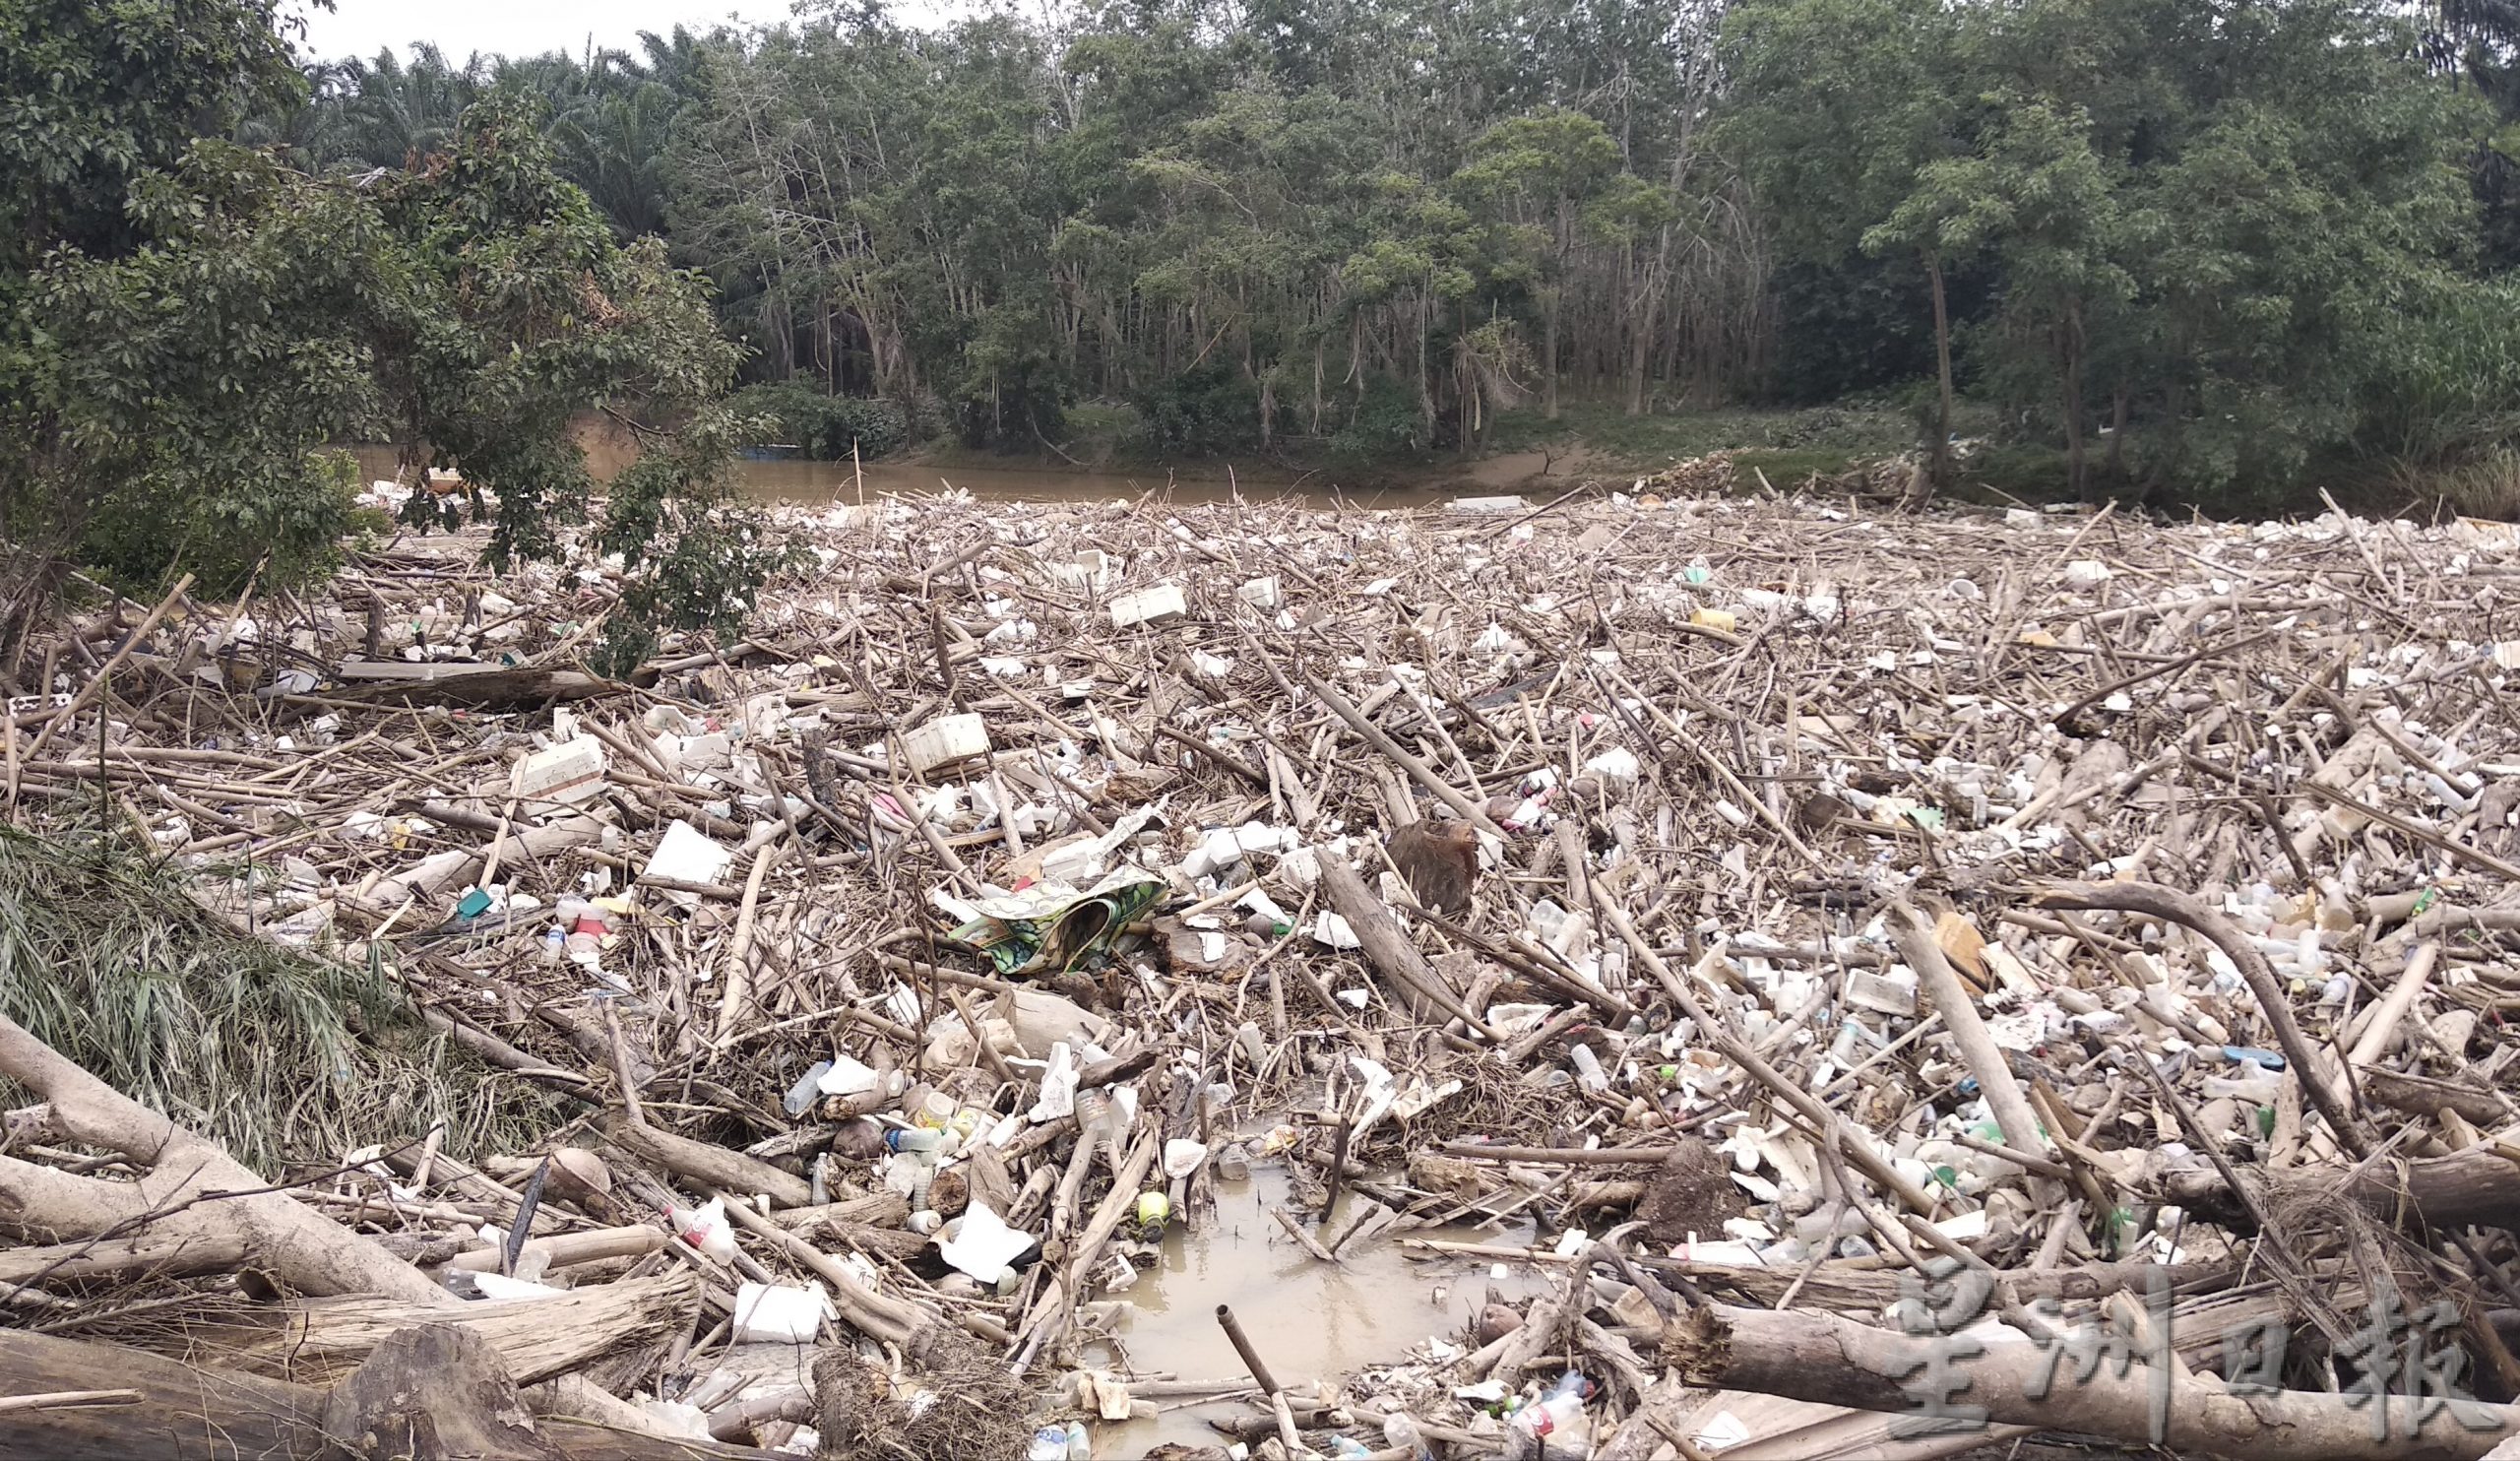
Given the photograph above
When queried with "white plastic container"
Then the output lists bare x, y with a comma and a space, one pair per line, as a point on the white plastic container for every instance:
945, 740
571, 771
1155, 605
774, 1313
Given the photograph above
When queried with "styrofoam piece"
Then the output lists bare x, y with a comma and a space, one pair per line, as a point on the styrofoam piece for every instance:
500, 1286
1182, 1156
984, 1246
1058, 1085
775, 1313
847, 1077
1487, 505
687, 854
1154, 606
945, 740
1260, 593
571, 771
1881, 992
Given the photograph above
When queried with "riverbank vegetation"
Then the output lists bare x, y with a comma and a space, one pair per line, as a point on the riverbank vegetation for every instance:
2162, 249
2143, 251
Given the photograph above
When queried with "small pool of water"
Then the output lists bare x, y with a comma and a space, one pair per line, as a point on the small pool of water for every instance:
1310, 1320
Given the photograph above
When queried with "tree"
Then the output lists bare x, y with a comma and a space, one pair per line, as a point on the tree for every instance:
2217, 212
1548, 167
1840, 108
2037, 196
167, 404
93, 95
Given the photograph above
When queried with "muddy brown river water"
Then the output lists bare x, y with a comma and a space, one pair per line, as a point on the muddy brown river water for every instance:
836, 481
798, 481
1310, 1320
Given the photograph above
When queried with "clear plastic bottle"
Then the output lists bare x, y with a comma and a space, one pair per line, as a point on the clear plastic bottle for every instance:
802, 1094
1097, 1122
1559, 1417
2259, 1090
1588, 1069
1400, 1432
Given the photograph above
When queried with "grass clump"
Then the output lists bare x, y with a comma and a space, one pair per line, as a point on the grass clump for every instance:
283, 1056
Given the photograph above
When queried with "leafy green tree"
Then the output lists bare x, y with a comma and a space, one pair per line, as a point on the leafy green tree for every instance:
93, 95
1547, 168
168, 405
2038, 199
1840, 108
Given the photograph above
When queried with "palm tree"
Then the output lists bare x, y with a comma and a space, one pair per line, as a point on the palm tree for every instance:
402, 113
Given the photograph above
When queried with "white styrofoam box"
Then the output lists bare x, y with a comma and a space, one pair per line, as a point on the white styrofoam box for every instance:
571, 771
1260, 593
687, 854
1154, 606
775, 1313
945, 740
1882, 994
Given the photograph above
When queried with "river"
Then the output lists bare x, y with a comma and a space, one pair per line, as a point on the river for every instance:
798, 481
837, 482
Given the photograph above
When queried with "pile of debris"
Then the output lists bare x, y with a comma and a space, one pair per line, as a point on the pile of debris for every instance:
1772, 984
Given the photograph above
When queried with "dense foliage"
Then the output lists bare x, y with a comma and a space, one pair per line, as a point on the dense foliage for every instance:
2182, 245
2175, 247
189, 320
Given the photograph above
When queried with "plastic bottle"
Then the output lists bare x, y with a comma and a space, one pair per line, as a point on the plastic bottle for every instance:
927, 1140
1560, 1416
1080, 1446
1349, 1447
1093, 1116
802, 1094
1588, 1069
705, 1228
1400, 1432
2260, 1090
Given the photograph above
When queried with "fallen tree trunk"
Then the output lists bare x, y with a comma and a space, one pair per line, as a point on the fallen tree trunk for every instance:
1838, 1361
194, 1190
316, 1342
150, 1251
192, 1414
201, 1192
2479, 1186
707, 1164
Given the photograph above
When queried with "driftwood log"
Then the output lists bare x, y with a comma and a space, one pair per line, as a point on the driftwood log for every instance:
193, 1190
1837, 1362
2479, 1186
190, 1413
1422, 989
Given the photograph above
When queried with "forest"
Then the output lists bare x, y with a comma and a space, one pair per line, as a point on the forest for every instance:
2172, 246
2221, 253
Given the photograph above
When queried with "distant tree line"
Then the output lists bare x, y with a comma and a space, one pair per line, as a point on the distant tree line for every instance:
2181, 241
2177, 245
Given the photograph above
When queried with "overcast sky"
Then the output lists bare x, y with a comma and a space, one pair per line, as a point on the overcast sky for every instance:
514, 28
